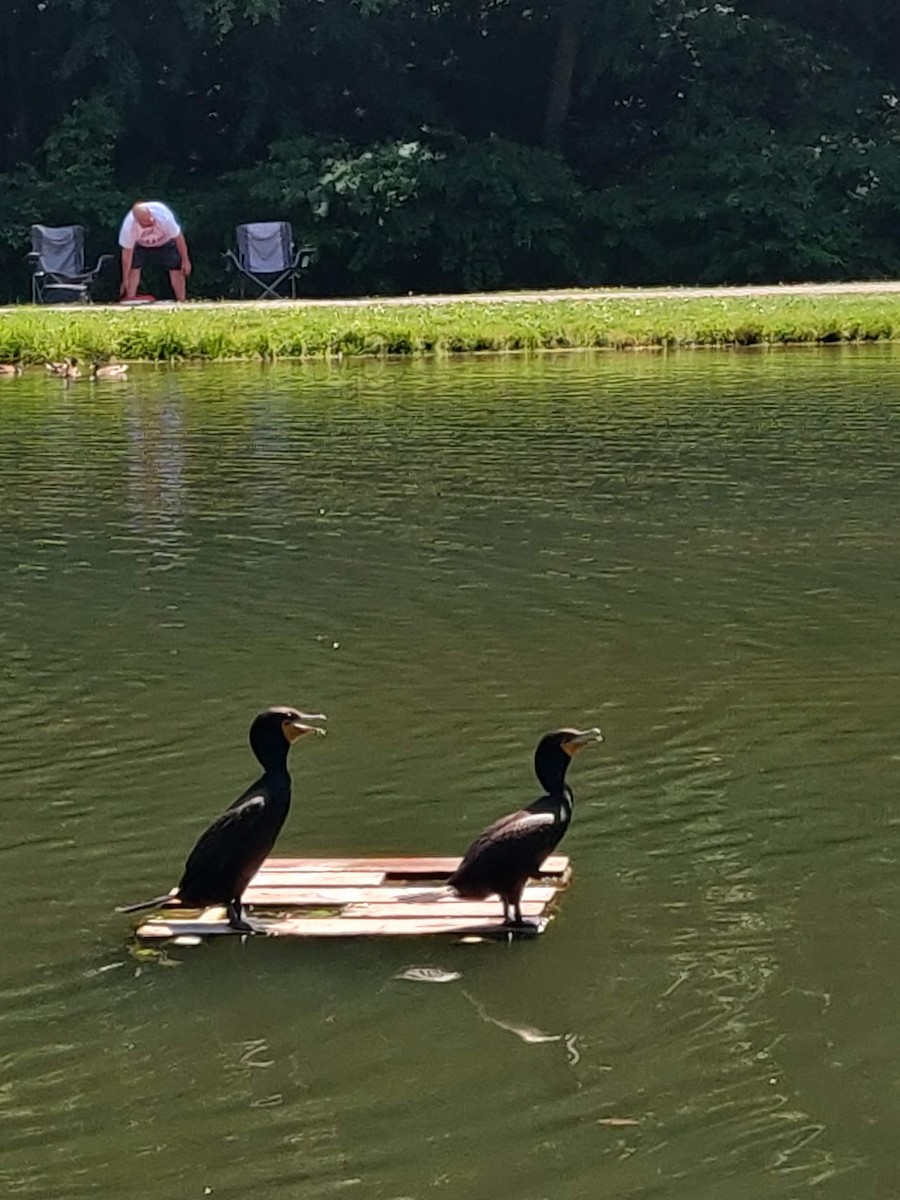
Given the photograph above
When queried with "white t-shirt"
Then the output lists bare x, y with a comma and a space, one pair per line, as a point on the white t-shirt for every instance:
164, 228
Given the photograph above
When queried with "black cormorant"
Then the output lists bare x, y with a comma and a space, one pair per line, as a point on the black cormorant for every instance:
233, 848
503, 858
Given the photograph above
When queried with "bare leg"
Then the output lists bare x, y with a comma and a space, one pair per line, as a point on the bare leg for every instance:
179, 286
132, 283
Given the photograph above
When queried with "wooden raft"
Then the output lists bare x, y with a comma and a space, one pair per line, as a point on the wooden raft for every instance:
365, 897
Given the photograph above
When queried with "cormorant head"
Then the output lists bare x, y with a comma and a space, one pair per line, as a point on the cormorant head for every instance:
273, 731
556, 750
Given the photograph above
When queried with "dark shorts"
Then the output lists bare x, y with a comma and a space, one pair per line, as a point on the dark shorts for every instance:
167, 255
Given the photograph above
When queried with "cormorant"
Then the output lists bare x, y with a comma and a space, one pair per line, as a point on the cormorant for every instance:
509, 852
233, 848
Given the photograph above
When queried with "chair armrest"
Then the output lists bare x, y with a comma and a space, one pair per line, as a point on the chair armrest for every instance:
303, 256
96, 271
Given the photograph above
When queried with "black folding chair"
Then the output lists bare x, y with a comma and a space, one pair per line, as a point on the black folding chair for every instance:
58, 273
266, 256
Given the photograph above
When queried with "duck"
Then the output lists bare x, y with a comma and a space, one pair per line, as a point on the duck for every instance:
509, 852
230, 852
109, 371
67, 369
10, 369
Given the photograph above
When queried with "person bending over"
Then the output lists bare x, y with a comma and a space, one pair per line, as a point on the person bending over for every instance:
150, 233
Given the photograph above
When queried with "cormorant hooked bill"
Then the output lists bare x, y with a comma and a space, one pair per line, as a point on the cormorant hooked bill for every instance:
504, 857
233, 848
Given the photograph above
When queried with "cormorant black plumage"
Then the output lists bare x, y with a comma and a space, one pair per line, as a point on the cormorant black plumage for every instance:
233, 848
503, 858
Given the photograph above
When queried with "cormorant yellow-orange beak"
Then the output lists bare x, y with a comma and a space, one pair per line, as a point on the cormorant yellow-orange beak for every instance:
580, 739
295, 728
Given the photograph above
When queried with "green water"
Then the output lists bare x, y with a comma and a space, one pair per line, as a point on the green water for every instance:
698, 553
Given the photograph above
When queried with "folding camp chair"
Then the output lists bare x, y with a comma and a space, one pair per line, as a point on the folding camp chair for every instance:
266, 256
58, 273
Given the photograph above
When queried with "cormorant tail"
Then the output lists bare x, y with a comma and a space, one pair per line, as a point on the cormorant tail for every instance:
429, 894
166, 901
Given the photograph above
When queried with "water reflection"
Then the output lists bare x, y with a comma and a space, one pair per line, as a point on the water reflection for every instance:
156, 475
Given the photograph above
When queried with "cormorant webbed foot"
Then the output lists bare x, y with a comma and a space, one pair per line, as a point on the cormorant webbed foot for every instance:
236, 919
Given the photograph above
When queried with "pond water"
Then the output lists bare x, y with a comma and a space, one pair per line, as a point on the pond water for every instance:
698, 552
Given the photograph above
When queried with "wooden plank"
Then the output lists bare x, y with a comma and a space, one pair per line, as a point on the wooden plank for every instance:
287, 896
326, 897
468, 909
265, 877
339, 927
405, 868
341, 866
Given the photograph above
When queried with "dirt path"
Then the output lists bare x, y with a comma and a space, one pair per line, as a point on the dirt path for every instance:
880, 287
786, 289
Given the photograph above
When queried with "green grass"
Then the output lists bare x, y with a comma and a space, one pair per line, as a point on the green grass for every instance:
33, 335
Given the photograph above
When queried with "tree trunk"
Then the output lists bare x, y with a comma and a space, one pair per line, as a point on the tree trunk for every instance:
559, 99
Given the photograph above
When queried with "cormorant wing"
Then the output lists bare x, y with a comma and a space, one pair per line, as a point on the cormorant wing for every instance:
226, 846
519, 823
515, 832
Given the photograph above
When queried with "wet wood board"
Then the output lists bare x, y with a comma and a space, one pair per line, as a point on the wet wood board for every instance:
366, 897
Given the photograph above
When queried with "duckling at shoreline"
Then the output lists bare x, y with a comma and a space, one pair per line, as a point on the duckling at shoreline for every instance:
109, 371
67, 369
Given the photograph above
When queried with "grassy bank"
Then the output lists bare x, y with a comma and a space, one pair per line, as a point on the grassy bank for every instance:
33, 335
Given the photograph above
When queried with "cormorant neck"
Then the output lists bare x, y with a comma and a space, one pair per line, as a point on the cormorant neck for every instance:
271, 750
550, 766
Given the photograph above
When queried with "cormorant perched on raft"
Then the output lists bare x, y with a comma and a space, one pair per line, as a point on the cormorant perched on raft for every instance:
509, 852
233, 848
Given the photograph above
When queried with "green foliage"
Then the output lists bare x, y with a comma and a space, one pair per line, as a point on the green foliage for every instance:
760, 209
72, 181
407, 216
509, 216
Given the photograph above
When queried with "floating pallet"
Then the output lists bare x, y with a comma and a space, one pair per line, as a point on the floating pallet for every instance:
367, 897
